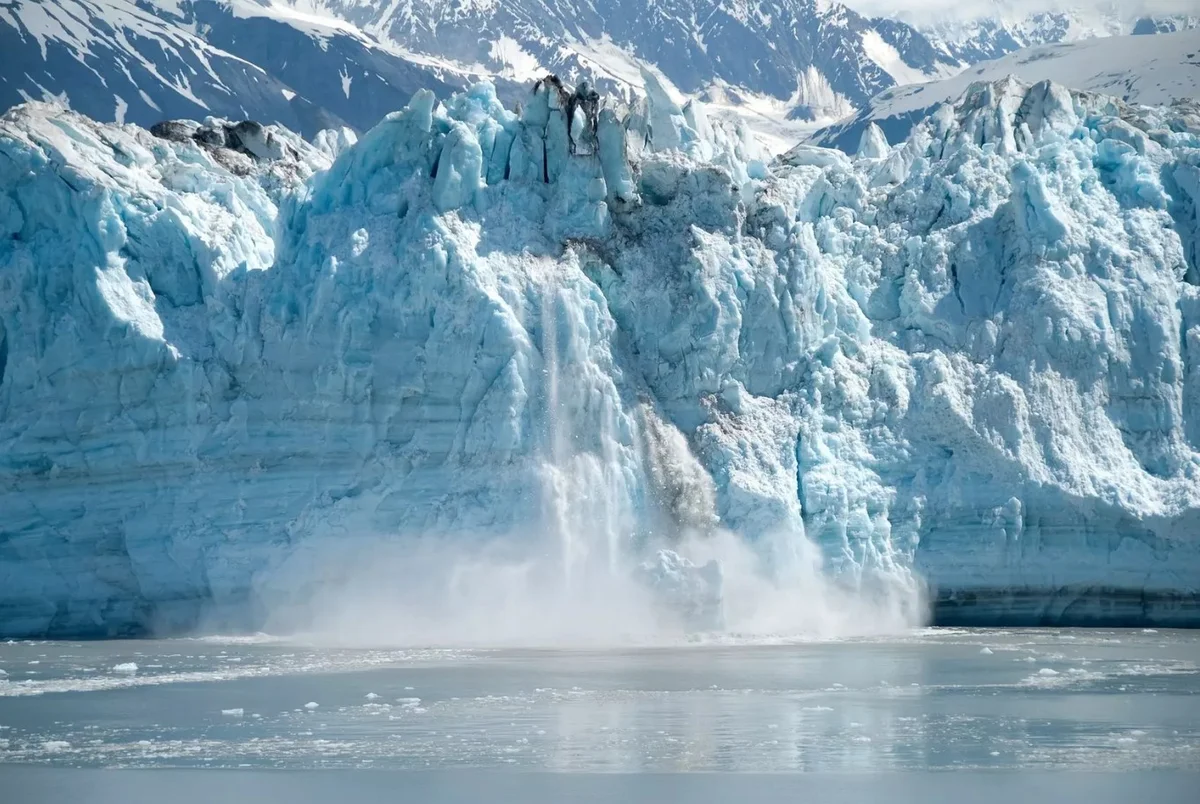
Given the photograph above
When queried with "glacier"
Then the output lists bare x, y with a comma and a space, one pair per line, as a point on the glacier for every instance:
960, 375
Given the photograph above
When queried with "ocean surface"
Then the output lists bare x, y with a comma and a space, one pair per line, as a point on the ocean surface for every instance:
878, 716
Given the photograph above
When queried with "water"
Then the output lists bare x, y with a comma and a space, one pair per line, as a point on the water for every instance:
938, 699
854, 715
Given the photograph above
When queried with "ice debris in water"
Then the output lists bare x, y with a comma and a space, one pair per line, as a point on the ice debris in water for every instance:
371, 696
691, 592
972, 356
986, 651
311, 705
125, 667
56, 746
236, 712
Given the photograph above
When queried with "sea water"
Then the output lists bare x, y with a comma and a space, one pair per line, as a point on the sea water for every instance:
932, 700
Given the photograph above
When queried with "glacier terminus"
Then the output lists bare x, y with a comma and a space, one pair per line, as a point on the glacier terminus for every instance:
610, 357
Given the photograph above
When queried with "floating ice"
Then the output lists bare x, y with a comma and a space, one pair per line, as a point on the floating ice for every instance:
237, 712
311, 705
125, 667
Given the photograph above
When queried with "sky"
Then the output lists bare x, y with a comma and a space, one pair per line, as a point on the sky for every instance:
926, 10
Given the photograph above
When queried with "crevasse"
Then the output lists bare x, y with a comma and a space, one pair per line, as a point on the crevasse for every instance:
970, 361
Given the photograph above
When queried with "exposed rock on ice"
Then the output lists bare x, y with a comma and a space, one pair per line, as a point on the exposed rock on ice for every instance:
974, 356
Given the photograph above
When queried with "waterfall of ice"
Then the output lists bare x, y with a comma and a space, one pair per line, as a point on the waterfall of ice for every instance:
590, 460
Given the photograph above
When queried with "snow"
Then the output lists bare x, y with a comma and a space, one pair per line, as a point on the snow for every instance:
657, 372
308, 20
890, 61
517, 63
1151, 70
199, 55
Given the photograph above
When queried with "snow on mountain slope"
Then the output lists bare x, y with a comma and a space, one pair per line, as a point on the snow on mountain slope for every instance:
596, 358
116, 60
313, 63
976, 32
1151, 70
760, 47
121, 60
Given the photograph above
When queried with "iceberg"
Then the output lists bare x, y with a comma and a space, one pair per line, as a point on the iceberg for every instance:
966, 366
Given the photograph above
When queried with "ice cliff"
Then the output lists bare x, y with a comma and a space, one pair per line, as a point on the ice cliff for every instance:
974, 359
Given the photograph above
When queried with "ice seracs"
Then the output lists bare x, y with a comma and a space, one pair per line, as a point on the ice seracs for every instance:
1148, 70
972, 358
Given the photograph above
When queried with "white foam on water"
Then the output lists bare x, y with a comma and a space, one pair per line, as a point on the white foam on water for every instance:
284, 664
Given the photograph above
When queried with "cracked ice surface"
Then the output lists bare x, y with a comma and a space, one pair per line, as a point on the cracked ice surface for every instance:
974, 356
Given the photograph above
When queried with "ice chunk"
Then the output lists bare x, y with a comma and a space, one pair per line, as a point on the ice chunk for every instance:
872, 144
692, 592
125, 667
333, 141
459, 170
236, 712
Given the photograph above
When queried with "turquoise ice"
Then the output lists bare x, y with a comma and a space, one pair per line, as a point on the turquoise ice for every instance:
971, 360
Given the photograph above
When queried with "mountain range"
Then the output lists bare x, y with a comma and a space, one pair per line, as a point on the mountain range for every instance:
316, 64
1157, 70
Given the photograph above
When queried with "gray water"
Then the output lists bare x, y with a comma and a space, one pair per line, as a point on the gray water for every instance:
937, 699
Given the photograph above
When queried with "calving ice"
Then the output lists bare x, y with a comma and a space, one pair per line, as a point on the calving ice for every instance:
493, 373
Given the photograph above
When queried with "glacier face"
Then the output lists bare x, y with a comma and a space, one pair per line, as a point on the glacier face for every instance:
973, 358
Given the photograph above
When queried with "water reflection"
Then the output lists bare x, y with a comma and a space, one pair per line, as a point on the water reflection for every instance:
939, 699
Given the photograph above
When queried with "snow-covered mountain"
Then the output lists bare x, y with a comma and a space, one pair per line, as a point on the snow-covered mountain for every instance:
614, 344
1150, 70
976, 33
819, 50
309, 64
143, 61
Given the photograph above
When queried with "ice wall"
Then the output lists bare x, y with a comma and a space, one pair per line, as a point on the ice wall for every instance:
975, 356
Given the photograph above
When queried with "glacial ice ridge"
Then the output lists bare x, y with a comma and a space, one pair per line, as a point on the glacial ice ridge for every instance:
970, 361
